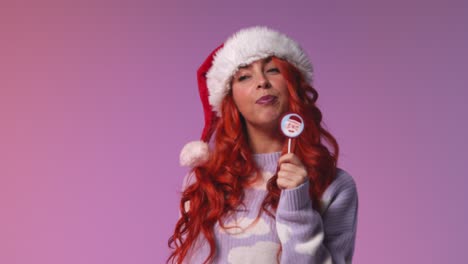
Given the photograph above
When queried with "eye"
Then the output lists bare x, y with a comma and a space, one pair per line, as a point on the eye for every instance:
273, 70
242, 77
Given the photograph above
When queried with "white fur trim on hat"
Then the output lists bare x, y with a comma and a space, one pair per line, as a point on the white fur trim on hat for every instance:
245, 47
194, 153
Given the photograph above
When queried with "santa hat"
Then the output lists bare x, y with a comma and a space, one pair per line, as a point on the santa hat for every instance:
214, 76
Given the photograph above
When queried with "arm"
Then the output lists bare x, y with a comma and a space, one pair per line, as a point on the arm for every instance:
308, 237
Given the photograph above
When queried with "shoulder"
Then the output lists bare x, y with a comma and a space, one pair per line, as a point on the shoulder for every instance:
343, 181
342, 192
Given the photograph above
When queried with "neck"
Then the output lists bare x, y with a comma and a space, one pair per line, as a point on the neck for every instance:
264, 140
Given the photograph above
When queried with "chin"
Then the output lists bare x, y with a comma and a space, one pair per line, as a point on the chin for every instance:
270, 121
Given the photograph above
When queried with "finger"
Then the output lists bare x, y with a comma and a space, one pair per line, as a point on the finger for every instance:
284, 183
296, 174
288, 167
291, 176
289, 158
293, 169
285, 158
285, 175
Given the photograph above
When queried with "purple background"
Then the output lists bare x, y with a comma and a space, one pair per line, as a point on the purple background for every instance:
97, 99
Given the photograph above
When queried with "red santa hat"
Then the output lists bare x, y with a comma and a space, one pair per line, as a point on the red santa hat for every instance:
214, 76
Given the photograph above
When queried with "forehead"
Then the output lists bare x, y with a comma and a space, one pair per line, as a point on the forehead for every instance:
261, 61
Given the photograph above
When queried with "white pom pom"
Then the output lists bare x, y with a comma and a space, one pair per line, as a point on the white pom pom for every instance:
194, 153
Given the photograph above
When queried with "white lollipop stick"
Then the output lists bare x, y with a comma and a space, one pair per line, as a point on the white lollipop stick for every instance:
292, 126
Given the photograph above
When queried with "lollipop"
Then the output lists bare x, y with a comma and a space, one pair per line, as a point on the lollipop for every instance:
292, 126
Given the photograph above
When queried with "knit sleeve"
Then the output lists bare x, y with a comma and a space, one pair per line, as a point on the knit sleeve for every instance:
307, 236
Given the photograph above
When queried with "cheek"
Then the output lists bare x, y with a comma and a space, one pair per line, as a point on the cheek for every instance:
240, 96
235, 97
283, 88
285, 95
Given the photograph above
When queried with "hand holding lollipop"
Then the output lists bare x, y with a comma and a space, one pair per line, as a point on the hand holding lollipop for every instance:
292, 172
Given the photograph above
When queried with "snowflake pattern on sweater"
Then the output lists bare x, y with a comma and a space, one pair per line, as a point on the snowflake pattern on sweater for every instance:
303, 234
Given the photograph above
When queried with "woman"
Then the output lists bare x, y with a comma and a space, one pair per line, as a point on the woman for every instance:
246, 200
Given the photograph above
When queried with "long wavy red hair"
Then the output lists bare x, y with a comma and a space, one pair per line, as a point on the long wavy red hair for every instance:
219, 183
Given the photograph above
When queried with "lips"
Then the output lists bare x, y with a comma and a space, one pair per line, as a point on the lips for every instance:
266, 99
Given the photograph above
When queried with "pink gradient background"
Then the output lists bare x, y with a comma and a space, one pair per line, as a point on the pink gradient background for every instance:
96, 102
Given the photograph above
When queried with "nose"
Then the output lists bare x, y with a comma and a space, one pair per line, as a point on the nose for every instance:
263, 82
